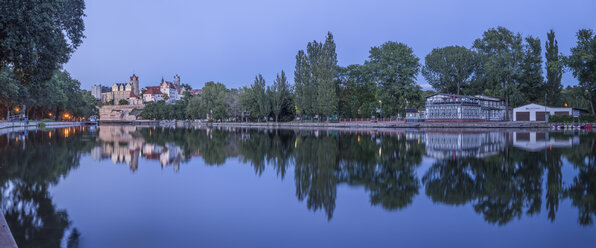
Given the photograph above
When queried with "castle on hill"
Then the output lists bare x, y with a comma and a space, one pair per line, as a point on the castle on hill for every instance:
167, 91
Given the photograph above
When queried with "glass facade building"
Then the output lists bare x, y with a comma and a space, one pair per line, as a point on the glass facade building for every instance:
442, 106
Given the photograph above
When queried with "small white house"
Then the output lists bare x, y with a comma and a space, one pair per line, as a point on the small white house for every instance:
536, 112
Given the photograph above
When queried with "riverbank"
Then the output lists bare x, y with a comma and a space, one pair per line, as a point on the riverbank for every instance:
9, 127
376, 125
390, 124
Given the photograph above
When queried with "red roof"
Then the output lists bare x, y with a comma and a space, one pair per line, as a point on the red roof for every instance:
169, 84
195, 91
153, 90
132, 94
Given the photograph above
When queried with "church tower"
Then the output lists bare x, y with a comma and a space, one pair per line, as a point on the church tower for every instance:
177, 81
134, 80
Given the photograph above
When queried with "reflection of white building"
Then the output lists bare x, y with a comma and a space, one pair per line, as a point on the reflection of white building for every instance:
536, 141
442, 145
121, 144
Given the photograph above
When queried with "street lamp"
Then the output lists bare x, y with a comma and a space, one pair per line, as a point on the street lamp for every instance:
381, 109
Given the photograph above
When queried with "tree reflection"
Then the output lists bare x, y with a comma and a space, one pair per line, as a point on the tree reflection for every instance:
490, 172
37, 161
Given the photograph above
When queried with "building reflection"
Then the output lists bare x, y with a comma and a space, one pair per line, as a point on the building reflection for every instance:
536, 141
491, 172
125, 145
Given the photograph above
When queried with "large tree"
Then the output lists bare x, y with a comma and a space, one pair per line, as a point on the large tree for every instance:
449, 69
314, 76
394, 66
212, 101
281, 95
583, 63
500, 54
302, 90
261, 99
326, 91
554, 68
357, 92
531, 82
37, 37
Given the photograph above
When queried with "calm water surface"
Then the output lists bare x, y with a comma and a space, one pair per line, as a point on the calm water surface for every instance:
124, 186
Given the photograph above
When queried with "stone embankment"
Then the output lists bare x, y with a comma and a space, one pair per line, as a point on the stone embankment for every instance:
120, 113
9, 127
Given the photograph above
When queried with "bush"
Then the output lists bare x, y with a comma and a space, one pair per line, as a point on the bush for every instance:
123, 102
568, 118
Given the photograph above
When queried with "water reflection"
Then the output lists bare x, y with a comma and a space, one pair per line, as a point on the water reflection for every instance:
30, 163
499, 175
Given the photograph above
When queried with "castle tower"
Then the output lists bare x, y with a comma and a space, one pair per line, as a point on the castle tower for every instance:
134, 79
177, 81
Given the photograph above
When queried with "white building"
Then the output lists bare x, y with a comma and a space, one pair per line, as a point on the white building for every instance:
152, 94
443, 106
536, 112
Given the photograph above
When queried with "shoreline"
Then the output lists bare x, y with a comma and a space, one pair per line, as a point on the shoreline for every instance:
10, 127
430, 125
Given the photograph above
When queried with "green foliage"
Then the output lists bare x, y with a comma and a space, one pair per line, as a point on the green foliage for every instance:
260, 99
314, 77
554, 69
213, 101
500, 55
123, 102
36, 38
575, 96
162, 111
393, 66
356, 91
281, 96
449, 69
58, 95
531, 82
582, 63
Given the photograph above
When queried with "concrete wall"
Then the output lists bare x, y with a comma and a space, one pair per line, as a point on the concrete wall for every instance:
118, 113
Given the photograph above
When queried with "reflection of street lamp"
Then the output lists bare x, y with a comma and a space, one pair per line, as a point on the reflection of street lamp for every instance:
565, 105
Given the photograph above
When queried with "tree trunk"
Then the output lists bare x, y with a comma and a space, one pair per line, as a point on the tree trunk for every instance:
507, 108
591, 103
276, 118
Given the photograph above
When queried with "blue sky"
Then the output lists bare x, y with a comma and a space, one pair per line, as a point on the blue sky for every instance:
232, 41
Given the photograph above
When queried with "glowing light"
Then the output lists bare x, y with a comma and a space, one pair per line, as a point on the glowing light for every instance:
50, 114
17, 109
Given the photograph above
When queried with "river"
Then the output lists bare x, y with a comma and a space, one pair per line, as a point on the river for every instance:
127, 186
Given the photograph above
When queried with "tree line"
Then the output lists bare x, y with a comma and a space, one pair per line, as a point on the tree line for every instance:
60, 97
504, 64
501, 63
386, 167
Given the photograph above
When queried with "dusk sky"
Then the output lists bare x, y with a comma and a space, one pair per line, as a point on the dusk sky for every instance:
232, 41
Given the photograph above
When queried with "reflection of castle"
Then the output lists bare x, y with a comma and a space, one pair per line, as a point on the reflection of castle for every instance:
122, 144
443, 145
535, 141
